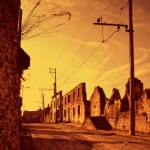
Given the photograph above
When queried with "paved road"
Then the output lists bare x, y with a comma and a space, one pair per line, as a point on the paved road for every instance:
67, 137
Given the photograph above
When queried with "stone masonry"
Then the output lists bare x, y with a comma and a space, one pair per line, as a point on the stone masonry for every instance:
75, 105
97, 102
117, 113
9, 76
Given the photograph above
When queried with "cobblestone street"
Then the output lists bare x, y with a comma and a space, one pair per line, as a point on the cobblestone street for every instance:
73, 137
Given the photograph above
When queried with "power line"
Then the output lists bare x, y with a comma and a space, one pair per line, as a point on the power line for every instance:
106, 8
89, 56
74, 33
77, 52
113, 14
122, 9
81, 65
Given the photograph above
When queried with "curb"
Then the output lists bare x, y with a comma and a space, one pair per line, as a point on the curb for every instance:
30, 138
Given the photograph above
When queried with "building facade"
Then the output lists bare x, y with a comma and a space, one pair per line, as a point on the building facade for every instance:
47, 117
75, 105
10, 78
56, 108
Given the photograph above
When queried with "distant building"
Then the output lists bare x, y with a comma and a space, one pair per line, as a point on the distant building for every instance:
56, 104
33, 116
47, 117
75, 105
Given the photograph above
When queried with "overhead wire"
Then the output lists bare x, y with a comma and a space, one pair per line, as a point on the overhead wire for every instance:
102, 17
83, 43
123, 8
77, 52
75, 31
113, 14
80, 65
106, 8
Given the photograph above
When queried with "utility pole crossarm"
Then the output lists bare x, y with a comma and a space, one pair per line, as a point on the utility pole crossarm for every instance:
111, 24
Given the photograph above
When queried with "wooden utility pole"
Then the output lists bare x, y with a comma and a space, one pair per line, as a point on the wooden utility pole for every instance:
131, 57
41, 89
43, 101
132, 93
55, 89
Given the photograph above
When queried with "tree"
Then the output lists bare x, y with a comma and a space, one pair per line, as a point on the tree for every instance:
34, 21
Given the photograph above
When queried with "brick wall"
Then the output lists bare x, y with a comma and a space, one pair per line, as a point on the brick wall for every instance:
9, 76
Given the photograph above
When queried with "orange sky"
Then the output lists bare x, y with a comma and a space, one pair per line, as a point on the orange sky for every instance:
107, 67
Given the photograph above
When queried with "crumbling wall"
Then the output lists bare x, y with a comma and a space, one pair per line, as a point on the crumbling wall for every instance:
9, 76
143, 112
97, 102
112, 107
117, 111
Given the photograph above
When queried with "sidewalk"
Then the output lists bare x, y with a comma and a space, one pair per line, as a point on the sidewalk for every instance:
25, 139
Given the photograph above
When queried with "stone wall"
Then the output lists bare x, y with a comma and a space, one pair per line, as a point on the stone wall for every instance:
97, 102
9, 76
118, 115
122, 122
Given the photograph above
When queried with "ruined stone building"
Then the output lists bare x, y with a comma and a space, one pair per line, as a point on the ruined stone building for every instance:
97, 102
116, 109
56, 108
75, 105
11, 68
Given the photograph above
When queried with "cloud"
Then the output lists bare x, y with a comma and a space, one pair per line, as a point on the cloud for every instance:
141, 59
106, 60
90, 43
114, 71
145, 50
62, 36
118, 70
62, 3
141, 24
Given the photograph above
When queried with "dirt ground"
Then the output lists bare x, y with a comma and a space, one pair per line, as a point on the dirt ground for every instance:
74, 137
